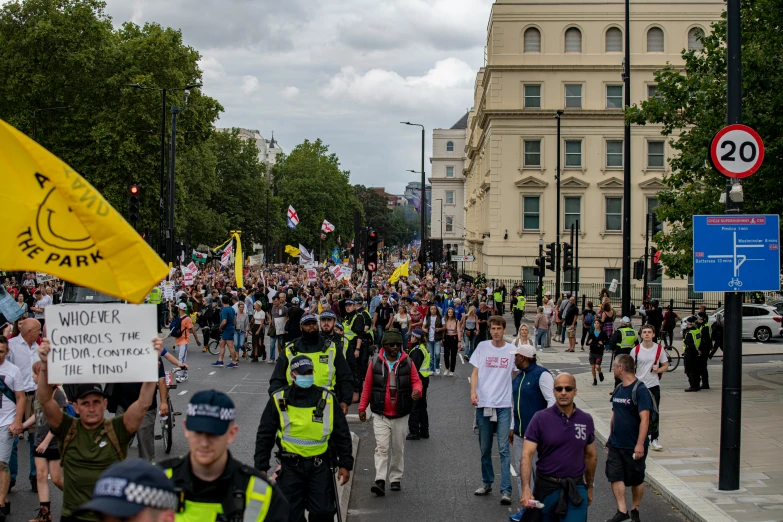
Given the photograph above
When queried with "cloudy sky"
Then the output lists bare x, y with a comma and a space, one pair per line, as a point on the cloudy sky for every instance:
345, 71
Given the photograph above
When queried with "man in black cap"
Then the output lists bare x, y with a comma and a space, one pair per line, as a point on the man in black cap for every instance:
90, 444
132, 491
212, 484
331, 368
329, 324
703, 325
313, 438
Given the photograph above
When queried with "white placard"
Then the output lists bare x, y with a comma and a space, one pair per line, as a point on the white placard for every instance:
168, 290
312, 275
187, 277
193, 268
613, 286
102, 343
42, 278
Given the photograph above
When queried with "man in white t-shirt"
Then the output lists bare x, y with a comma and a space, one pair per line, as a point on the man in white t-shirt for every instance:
12, 405
651, 363
42, 300
490, 392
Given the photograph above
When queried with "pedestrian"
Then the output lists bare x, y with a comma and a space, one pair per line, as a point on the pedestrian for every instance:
518, 303
470, 332
381, 317
705, 348
451, 341
401, 321
570, 319
623, 340
523, 335
433, 325
716, 330
259, 323
181, 341
651, 363
670, 319
116, 494
541, 325
627, 444
12, 410
607, 317
483, 314
279, 315
550, 312
597, 343
313, 440
692, 342
390, 401
227, 329
241, 327
655, 318
490, 392
212, 485
588, 318
563, 437
532, 390
90, 443
419, 421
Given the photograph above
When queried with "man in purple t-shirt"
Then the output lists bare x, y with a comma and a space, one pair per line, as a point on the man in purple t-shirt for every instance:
563, 436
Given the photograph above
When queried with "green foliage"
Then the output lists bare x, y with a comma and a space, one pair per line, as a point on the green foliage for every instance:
690, 104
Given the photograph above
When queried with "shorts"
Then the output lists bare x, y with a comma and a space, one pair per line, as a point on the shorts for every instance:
621, 467
6, 444
49, 454
570, 332
227, 335
595, 359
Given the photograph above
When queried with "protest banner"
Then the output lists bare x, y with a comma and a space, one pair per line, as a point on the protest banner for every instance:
256, 260
102, 343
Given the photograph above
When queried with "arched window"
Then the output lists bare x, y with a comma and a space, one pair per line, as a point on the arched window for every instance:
655, 40
449, 146
694, 44
532, 40
614, 40
573, 40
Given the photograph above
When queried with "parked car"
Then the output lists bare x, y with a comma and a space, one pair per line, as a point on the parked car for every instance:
759, 321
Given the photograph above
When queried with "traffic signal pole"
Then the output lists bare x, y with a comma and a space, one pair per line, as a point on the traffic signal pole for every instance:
557, 220
731, 395
646, 256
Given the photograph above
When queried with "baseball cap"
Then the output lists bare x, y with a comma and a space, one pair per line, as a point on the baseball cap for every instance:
127, 487
418, 332
524, 350
548, 292
703, 315
295, 300
328, 314
182, 306
301, 364
625, 319
308, 318
83, 390
210, 411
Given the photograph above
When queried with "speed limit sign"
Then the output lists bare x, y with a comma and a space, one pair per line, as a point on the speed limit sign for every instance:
736, 151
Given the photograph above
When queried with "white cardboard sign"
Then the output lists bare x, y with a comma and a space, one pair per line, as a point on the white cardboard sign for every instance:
102, 343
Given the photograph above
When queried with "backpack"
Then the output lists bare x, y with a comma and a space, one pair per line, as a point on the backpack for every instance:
108, 430
589, 318
657, 355
176, 327
655, 417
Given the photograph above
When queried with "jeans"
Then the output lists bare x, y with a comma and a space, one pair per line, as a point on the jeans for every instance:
276, 340
434, 349
574, 514
13, 465
379, 329
541, 337
470, 343
239, 340
404, 332
183, 358
486, 431
655, 391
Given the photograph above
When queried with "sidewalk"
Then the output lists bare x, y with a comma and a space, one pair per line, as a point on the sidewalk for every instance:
686, 471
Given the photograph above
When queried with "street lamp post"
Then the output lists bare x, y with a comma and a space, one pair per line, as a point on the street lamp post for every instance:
441, 220
626, 271
423, 197
35, 116
557, 220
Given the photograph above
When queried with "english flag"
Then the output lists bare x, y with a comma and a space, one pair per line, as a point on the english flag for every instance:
327, 227
293, 218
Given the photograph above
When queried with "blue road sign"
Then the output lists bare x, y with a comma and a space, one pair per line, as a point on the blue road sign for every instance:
738, 253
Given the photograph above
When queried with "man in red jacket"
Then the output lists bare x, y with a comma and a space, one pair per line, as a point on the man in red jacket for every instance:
390, 387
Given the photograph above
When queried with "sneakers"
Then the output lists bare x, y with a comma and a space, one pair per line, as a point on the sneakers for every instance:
450, 373
395, 486
635, 515
232, 365
217, 364
437, 372
654, 444
379, 488
595, 382
412, 436
516, 517
601, 376
619, 517
483, 490
505, 499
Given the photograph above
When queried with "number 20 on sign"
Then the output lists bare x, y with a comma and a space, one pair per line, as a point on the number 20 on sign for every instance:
736, 151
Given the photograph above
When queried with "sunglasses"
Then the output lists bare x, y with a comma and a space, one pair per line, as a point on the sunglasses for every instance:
566, 388
394, 344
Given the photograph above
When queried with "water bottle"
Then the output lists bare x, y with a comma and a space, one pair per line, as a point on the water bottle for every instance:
535, 504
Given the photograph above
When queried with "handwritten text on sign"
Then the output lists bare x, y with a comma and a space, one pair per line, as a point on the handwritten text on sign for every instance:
101, 343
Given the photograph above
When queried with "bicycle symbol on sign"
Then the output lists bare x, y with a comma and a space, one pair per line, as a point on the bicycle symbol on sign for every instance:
735, 282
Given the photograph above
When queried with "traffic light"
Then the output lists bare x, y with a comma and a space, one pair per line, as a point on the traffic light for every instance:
550, 256
540, 269
371, 259
568, 257
656, 270
134, 204
638, 269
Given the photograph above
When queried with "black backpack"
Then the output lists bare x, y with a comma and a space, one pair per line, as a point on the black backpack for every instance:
176, 327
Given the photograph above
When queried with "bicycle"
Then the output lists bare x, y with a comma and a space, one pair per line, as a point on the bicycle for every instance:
674, 357
167, 422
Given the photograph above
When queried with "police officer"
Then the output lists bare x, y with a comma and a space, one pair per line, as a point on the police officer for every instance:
313, 438
156, 298
211, 484
133, 490
518, 306
353, 321
329, 330
419, 421
691, 342
705, 348
623, 340
332, 370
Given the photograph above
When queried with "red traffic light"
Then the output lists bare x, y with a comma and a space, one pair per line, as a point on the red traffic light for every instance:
135, 190
373, 235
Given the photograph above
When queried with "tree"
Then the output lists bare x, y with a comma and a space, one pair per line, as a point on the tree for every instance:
690, 104
375, 208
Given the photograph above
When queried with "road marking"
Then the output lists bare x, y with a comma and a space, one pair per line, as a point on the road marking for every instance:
513, 471
462, 359
183, 392
212, 373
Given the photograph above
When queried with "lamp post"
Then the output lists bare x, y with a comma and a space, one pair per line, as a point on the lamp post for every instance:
441, 218
35, 116
423, 196
162, 178
626, 275
558, 115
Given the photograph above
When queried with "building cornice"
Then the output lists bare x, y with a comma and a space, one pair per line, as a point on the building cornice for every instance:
573, 114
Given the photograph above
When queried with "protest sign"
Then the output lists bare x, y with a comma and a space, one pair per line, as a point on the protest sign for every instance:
168, 290
613, 286
312, 275
101, 343
256, 260
193, 268
187, 277
42, 278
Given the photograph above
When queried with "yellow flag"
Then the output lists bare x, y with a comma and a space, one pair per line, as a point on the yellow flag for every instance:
292, 251
400, 271
238, 261
62, 226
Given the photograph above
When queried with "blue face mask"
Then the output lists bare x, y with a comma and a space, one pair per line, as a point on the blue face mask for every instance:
304, 381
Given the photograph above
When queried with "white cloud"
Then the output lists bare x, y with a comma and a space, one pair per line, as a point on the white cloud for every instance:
290, 92
250, 84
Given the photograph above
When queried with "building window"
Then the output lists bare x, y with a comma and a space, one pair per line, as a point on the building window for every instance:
532, 153
573, 212
573, 96
449, 197
532, 40
652, 91
652, 204
614, 153
449, 172
531, 213
694, 42
449, 146
449, 224
533, 96
655, 40
613, 274
691, 293
614, 214
655, 159
573, 40
573, 153
614, 40
614, 96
